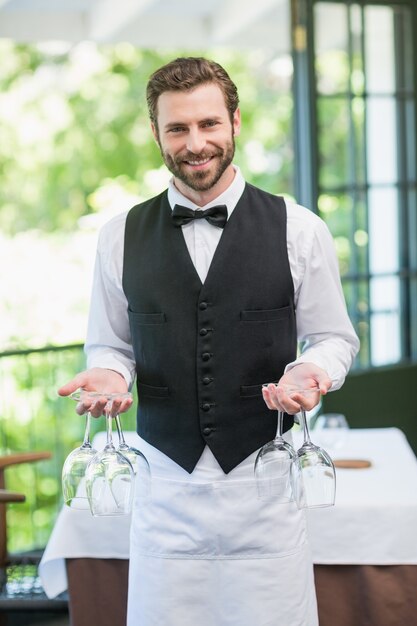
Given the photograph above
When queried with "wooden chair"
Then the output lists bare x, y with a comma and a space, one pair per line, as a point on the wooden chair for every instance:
29, 600
7, 496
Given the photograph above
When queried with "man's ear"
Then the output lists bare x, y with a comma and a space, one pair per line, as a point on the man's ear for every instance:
155, 132
236, 122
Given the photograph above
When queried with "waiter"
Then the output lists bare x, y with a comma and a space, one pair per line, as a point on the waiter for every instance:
203, 293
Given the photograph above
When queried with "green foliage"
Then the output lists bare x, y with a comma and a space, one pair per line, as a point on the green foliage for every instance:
72, 120
35, 418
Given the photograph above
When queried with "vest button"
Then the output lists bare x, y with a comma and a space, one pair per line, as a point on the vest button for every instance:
203, 332
206, 407
206, 431
203, 306
206, 356
206, 380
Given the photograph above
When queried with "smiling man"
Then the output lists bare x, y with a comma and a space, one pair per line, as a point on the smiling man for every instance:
197, 146
203, 294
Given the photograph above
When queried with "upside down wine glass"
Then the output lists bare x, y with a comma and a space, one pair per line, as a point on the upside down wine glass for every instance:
316, 480
275, 468
74, 469
138, 460
110, 475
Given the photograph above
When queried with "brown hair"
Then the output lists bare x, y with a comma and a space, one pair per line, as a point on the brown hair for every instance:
187, 73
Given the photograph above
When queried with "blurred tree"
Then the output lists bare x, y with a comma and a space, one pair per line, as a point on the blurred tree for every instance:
72, 119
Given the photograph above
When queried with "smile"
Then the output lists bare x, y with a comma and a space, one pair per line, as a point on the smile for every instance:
199, 163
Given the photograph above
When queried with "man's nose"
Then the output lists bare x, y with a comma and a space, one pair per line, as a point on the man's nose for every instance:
196, 141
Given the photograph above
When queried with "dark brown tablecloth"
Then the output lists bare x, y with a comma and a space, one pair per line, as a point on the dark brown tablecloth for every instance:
97, 591
347, 595
366, 595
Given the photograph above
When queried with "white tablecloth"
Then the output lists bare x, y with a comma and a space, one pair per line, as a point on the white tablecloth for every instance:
374, 521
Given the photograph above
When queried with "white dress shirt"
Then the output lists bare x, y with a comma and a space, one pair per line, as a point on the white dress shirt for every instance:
323, 326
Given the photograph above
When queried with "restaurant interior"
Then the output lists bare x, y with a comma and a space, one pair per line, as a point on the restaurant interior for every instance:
329, 91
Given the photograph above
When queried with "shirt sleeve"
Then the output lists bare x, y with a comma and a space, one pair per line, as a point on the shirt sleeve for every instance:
325, 332
108, 343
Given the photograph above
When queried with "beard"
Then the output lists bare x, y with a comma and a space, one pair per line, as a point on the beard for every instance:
202, 180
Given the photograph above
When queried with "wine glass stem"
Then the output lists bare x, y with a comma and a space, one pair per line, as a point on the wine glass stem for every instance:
305, 427
109, 425
120, 431
86, 441
280, 424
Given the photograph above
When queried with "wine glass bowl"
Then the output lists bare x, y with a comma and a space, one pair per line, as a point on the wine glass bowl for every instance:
274, 471
109, 483
274, 467
138, 460
74, 470
317, 478
315, 485
73, 473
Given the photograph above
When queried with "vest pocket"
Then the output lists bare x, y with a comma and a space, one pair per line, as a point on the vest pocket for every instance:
149, 391
251, 391
147, 318
265, 315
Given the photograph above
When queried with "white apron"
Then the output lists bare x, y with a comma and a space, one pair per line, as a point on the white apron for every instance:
206, 551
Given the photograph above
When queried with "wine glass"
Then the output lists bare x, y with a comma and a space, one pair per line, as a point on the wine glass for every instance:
74, 469
110, 475
275, 468
332, 430
316, 482
137, 459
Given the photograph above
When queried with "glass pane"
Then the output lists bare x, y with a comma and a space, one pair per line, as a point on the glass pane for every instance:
381, 140
379, 49
407, 24
385, 294
336, 210
357, 78
412, 228
331, 41
362, 299
385, 338
360, 236
383, 230
355, 293
362, 328
333, 131
410, 127
358, 119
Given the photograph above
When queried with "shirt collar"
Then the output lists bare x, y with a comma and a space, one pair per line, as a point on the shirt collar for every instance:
230, 197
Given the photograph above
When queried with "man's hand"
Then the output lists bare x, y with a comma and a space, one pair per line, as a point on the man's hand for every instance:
98, 380
303, 376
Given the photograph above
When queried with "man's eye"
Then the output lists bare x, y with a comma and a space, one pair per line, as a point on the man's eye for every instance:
176, 129
210, 123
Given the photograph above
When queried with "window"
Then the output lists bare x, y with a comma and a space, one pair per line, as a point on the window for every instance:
363, 112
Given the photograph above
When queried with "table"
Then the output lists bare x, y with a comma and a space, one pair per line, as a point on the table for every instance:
364, 548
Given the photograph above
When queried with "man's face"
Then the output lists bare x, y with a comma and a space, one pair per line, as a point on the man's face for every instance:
196, 136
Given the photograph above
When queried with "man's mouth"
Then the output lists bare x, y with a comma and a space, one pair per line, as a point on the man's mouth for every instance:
198, 163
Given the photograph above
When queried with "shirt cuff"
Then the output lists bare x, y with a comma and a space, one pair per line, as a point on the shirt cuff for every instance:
337, 376
115, 363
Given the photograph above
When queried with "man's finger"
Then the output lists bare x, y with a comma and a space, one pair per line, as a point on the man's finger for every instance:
72, 385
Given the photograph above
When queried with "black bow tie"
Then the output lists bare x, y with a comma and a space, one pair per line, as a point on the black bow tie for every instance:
215, 215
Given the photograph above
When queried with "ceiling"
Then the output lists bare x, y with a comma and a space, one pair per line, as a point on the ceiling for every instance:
194, 24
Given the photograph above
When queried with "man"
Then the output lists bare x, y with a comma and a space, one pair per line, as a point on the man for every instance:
203, 292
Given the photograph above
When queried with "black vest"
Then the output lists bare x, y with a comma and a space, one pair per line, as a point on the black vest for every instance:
203, 351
